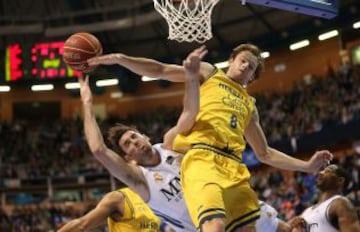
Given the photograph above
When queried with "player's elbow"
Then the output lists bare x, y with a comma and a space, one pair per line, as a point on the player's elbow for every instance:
173, 73
185, 123
98, 149
264, 154
158, 70
185, 128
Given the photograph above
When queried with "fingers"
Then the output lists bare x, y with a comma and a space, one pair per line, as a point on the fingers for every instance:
108, 59
197, 55
326, 155
201, 51
94, 61
83, 81
322, 158
87, 79
83, 78
298, 222
97, 60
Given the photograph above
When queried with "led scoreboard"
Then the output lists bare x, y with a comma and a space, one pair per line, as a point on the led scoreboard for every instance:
319, 8
39, 61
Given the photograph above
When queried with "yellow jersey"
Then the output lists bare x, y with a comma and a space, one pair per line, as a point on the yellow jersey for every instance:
137, 215
225, 111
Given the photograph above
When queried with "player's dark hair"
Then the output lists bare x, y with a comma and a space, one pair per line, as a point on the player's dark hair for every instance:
341, 172
114, 135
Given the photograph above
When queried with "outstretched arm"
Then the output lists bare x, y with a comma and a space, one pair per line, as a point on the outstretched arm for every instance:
343, 211
149, 67
191, 97
256, 138
130, 174
142, 66
111, 203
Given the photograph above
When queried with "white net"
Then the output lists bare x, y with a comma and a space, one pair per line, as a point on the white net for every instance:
188, 20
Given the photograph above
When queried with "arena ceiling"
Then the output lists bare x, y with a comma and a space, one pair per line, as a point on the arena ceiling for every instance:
134, 27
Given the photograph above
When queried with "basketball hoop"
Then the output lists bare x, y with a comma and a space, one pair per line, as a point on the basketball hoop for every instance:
188, 20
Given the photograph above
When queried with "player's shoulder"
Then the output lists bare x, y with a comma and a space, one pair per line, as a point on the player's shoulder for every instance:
207, 70
115, 196
341, 202
112, 200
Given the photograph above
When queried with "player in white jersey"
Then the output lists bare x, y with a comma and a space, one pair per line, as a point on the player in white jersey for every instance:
153, 172
333, 212
165, 189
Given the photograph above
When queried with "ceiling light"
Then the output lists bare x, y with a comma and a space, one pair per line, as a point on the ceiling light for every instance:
299, 44
107, 82
356, 25
265, 55
117, 94
280, 68
328, 35
4, 88
72, 85
42, 87
146, 78
223, 64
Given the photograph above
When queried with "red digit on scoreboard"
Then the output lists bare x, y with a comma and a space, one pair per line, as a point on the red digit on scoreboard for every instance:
13, 63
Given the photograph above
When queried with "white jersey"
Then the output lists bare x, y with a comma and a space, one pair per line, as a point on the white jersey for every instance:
317, 217
268, 221
166, 197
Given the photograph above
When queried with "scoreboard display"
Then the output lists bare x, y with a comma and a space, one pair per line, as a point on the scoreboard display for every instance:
39, 61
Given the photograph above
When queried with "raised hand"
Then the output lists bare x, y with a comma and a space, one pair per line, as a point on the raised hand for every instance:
319, 160
85, 91
298, 223
192, 61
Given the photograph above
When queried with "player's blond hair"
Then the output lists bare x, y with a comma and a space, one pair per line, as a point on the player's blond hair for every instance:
255, 50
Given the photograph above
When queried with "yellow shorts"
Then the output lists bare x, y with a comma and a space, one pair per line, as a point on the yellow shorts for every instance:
215, 186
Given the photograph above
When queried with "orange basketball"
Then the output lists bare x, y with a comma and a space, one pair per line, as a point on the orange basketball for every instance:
78, 48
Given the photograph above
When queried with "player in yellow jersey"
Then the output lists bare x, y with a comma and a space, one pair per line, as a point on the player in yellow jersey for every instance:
124, 210
214, 180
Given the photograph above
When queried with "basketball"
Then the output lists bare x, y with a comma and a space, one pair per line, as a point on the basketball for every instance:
78, 48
